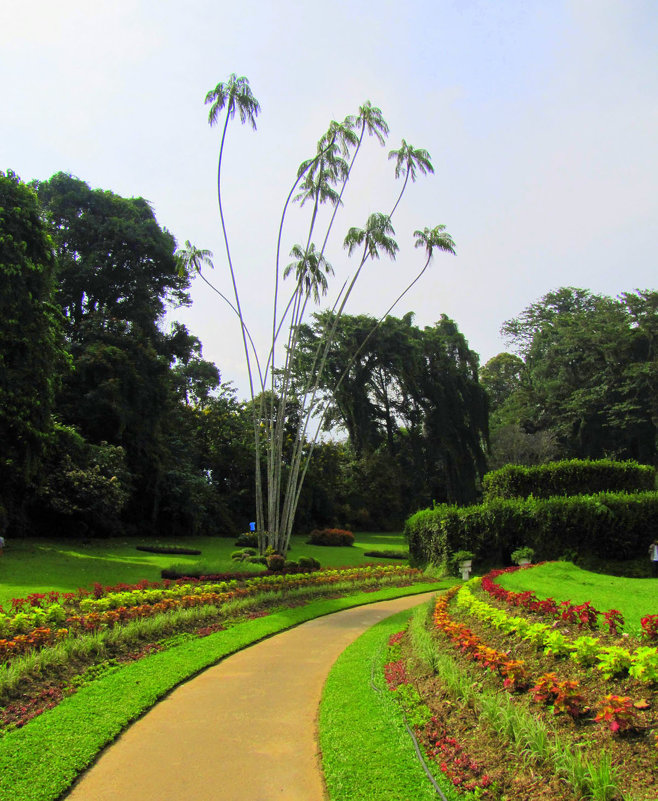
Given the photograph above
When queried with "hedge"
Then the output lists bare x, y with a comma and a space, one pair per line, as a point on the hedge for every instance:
618, 525
568, 477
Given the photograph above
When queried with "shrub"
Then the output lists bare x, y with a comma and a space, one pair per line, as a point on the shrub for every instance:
308, 563
599, 524
256, 560
568, 477
290, 565
524, 552
175, 549
388, 554
249, 539
243, 554
275, 562
330, 536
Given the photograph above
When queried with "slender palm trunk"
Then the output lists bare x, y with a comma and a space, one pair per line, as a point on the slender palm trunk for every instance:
258, 479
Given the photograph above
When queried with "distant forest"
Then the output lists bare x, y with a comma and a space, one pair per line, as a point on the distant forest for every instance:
111, 425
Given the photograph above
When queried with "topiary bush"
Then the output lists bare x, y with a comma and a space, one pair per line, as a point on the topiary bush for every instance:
568, 477
330, 536
276, 562
243, 554
308, 563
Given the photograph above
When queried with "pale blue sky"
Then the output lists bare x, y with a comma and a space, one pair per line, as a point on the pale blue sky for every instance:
541, 118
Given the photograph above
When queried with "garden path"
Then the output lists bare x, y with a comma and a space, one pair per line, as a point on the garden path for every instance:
243, 730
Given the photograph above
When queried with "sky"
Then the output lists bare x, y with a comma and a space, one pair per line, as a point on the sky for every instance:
541, 119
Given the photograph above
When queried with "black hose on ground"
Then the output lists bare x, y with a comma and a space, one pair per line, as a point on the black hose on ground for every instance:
419, 754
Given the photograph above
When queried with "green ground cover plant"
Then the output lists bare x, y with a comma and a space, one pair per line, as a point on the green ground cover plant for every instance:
30, 565
367, 754
633, 597
41, 759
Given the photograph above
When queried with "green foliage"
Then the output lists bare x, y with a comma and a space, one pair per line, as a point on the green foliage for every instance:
645, 664
411, 404
614, 661
524, 552
32, 355
331, 536
585, 650
599, 524
590, 372
568, 477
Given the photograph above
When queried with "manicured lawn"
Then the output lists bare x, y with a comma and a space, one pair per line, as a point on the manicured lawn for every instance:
41, 565
563, 581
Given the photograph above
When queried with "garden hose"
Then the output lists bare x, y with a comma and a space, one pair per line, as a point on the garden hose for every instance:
419, 754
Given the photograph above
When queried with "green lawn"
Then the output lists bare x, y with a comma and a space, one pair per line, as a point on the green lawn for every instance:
367, 755
563, 581
40, 565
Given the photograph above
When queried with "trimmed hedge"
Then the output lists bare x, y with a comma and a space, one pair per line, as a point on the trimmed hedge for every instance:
606, 524
568, 477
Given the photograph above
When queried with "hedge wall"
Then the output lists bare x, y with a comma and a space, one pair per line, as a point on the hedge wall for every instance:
569, 477
607, 524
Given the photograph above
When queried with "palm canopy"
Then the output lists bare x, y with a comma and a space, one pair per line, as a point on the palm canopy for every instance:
328, 168
191, 258
309, 266
409, 159
376, 236
235, 94
434, 239
369, 119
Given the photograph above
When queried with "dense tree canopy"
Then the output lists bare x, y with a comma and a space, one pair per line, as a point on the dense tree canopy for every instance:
409, 395
31, 354
590, 373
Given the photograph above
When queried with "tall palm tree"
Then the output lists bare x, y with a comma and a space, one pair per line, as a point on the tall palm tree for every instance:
236, 95
409, 160
191, 258
311, 269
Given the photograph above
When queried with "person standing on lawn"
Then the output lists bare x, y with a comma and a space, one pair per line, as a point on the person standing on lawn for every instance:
653, 556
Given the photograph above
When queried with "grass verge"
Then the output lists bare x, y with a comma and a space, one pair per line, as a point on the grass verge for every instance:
41, 760
563, 581
367, 754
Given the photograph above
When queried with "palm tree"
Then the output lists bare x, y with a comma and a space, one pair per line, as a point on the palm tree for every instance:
235, 95
191, 258
408, 160
309, 266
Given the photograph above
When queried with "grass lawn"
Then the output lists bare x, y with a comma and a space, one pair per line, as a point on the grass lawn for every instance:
28, 566
563, 581
367, 754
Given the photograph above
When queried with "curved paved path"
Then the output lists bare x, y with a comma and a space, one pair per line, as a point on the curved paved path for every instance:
244, 730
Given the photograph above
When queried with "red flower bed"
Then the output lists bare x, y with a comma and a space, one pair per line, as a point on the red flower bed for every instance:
582, 615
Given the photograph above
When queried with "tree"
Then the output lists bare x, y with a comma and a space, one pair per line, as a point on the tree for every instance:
321, 179
410, 402
117, 271
590, 372
32, 355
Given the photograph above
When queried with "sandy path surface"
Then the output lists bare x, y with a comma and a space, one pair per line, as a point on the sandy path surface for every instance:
244, 730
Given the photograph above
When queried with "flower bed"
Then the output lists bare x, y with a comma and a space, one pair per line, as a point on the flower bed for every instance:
600, 694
